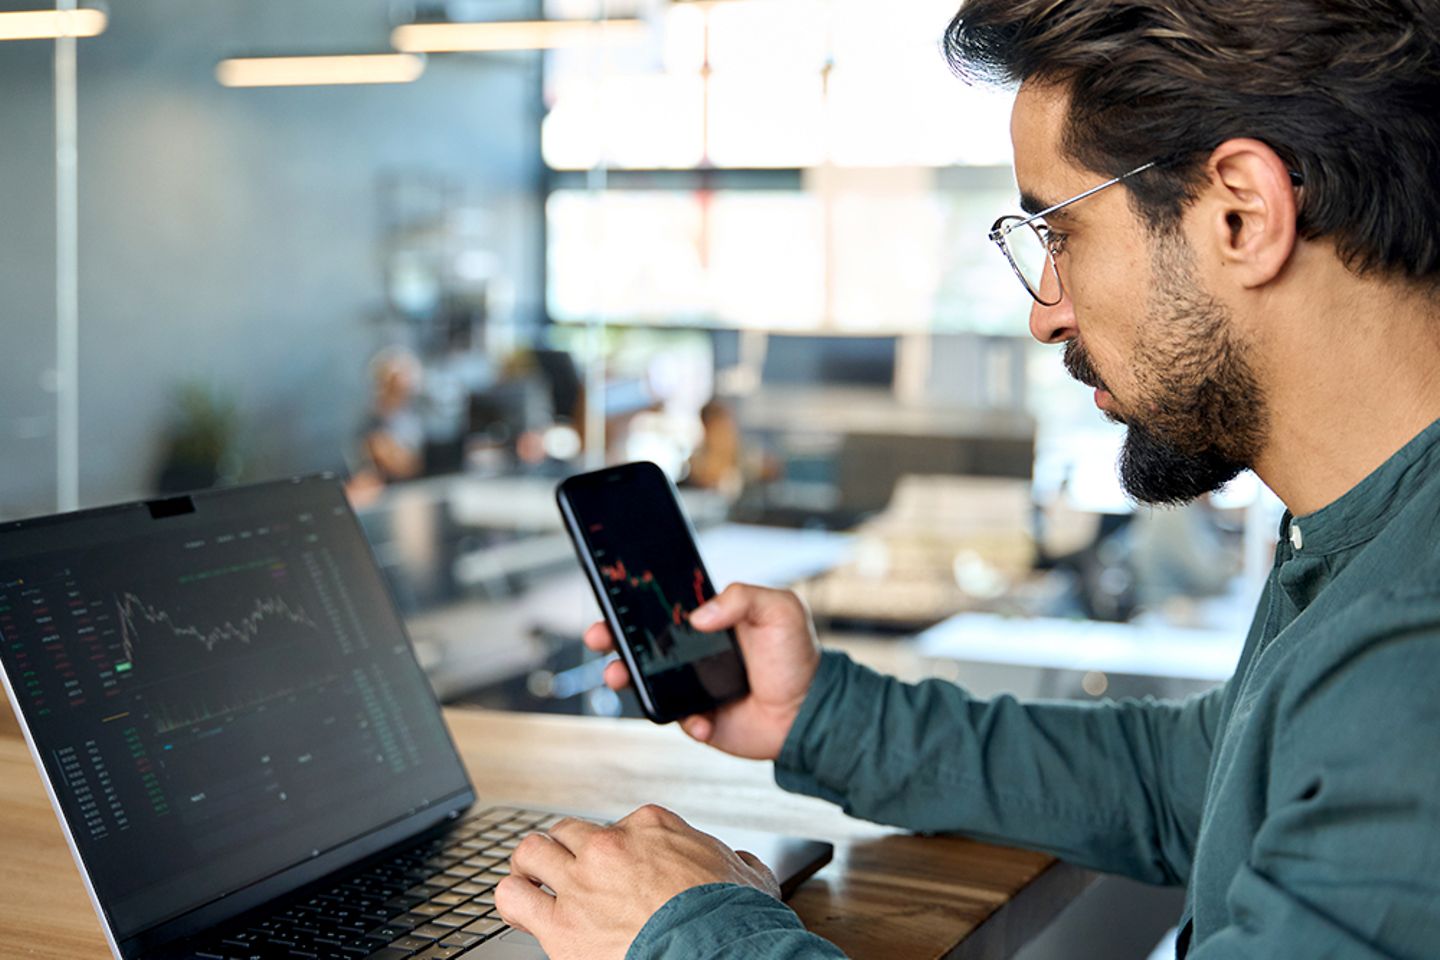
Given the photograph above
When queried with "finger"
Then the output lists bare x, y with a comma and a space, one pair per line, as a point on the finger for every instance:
616, 676
541, 859
766, 875
573, 832
725, 609
751, 861
700, 727
522, 904
597, 637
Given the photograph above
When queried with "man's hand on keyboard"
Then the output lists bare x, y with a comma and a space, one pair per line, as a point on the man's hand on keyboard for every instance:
601, 884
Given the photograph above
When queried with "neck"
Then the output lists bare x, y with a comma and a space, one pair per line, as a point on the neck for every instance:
1352, 375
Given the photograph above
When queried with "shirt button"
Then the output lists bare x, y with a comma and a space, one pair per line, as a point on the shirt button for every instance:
1296, 539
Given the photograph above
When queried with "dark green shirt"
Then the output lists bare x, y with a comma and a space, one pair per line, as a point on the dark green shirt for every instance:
1299, 803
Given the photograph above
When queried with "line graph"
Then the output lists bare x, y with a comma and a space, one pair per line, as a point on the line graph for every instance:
133, 610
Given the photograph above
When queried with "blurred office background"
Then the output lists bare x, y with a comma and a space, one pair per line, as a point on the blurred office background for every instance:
455, 251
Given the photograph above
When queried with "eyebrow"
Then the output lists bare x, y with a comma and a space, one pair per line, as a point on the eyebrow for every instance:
1032, 205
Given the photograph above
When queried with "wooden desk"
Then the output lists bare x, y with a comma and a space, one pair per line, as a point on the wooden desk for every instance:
886, 895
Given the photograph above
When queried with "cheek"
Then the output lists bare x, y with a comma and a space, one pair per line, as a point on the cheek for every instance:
1106, 313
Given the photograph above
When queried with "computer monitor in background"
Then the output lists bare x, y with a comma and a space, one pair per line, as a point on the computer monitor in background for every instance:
829, 361
562, 375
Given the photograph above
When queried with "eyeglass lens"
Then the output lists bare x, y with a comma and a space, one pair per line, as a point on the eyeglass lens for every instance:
1029, 255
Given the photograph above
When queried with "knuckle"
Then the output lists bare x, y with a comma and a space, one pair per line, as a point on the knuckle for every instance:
505, 892
527, 847
606, 844
735, 593
654, 813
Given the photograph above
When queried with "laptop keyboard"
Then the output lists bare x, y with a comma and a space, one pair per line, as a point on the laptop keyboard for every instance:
434, 901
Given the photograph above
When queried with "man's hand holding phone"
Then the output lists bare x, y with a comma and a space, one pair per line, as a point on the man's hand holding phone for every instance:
777, 640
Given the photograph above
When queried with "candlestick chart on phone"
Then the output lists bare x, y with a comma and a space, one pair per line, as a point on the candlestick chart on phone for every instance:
656, 607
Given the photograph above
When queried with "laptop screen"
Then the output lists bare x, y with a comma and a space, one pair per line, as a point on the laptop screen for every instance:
219, 687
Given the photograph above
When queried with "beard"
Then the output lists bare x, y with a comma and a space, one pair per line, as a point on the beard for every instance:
1200, 417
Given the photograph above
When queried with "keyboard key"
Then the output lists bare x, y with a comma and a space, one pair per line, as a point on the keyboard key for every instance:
462, 890
438, 952
461, 939
412, 943
473, 910
431, 931
485, 926
452, 920
390, 953
484, 863
390, 931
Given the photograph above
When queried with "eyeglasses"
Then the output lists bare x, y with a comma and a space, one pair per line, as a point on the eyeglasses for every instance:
1031, 246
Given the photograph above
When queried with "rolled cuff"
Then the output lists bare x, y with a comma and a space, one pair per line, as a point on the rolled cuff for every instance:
716, 920
821, 750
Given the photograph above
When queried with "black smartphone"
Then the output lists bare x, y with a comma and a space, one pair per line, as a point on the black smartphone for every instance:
638, 550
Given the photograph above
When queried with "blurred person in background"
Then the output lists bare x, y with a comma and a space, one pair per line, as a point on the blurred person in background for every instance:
716, 462
1233, 228
392, 441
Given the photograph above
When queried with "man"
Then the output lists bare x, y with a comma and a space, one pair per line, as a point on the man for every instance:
1240, 250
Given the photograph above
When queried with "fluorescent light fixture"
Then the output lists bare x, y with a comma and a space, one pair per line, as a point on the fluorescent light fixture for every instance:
514, 35
319, 71
52, 24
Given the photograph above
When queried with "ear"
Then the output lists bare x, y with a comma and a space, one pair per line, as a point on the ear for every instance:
1248, 211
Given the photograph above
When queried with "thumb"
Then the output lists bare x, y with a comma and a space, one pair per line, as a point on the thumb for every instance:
699, 727
765, 875
725, 609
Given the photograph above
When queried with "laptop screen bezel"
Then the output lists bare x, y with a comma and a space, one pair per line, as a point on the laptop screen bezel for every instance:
151, 940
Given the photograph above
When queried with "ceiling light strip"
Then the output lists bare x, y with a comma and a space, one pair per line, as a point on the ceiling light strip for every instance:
52, 24
320, 71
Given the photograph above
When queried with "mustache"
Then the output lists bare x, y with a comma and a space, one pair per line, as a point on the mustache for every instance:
1078, 365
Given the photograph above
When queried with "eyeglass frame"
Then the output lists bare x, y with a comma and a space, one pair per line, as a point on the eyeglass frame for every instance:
997, 235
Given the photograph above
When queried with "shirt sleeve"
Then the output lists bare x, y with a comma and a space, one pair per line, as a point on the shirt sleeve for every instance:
1116, 786
727, 921
1344, 863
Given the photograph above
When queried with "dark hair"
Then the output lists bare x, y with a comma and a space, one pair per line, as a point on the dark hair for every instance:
1346, 92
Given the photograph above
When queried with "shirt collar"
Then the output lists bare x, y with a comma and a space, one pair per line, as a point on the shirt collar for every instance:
1365, 508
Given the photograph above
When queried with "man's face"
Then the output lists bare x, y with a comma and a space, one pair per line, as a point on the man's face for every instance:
1138, 325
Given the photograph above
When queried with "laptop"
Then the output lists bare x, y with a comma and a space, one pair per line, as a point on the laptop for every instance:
245, 756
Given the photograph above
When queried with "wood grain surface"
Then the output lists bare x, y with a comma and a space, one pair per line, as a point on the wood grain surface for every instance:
886, 894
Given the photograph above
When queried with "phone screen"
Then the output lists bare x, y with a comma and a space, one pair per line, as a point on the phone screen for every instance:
646, 571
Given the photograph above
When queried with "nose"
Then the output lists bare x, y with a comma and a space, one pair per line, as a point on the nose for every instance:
1053, 324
